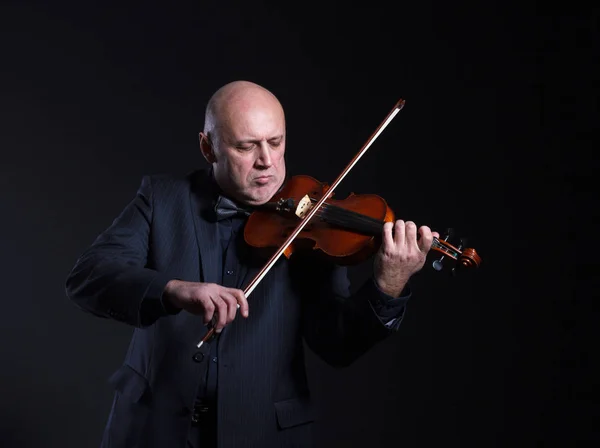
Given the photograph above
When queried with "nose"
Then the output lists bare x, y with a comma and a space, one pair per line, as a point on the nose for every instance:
263, 159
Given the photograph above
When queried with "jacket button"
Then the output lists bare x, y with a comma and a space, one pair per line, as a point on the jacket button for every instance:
198, 357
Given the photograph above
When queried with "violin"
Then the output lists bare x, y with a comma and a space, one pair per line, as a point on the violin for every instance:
304, 215
346, 231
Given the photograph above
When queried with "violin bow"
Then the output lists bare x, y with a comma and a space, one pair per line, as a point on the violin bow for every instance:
313, 210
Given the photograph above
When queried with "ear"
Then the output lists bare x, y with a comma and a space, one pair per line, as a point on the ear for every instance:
206, 148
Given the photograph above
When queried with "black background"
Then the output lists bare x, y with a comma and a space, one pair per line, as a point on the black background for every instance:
500, 101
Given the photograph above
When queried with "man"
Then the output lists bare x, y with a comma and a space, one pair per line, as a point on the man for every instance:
174, 262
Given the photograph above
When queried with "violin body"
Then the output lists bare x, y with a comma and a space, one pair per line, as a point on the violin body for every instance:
348, 231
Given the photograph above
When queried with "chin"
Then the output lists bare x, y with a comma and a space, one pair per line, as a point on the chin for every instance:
259, 198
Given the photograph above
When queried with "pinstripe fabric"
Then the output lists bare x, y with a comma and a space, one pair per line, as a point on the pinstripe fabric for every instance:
263, 397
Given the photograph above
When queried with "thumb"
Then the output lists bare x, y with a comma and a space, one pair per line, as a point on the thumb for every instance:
426, 238
242, 302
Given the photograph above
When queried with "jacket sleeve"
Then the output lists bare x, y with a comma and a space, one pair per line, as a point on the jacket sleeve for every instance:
338, 326
110, 279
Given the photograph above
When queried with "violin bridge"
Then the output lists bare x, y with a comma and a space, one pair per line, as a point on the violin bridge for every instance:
304, 206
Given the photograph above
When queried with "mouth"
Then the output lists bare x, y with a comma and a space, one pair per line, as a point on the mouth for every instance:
262, 180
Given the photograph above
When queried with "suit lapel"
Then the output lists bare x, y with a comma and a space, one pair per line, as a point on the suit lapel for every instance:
206, 230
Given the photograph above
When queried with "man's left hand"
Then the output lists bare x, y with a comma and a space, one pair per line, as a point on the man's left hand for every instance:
401, 255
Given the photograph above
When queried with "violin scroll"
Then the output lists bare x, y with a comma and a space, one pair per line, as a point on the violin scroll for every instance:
466, 258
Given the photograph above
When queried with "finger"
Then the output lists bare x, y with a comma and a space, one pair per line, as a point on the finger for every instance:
231, 303
435, 234
221, 314
209, 311
411, 234
426, 239
387, 237
399, 233
241, 300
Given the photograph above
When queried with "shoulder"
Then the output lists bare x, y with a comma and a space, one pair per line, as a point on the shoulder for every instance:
158, 182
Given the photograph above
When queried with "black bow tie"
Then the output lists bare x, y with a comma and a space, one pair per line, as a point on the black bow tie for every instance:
226, 208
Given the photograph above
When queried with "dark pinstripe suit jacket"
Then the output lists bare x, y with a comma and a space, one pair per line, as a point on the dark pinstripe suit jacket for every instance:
264, 399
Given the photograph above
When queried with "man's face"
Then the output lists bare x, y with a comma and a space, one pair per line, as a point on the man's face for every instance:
249, 148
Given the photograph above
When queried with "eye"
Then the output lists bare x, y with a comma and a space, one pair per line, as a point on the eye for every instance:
246, 147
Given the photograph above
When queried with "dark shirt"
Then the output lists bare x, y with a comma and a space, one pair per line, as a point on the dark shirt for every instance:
229, 235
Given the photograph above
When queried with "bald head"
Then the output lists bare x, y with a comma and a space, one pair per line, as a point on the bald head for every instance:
236, 96
244, 141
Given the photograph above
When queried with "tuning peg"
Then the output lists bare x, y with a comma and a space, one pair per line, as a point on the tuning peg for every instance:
438, 264
449, 233
463, 244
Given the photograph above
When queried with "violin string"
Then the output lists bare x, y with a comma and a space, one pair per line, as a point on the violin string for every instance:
448, 251
332, 219
344, 224
355, 216
350, 219
372, 224
367, 224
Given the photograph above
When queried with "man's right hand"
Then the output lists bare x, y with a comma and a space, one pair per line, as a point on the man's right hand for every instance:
208, 300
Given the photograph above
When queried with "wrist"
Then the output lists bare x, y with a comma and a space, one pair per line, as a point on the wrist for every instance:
169, 297
391, 288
